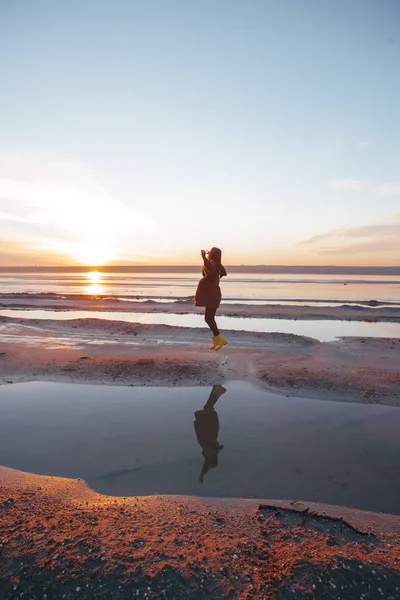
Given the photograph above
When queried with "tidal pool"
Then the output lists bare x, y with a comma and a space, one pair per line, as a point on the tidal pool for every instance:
246, 443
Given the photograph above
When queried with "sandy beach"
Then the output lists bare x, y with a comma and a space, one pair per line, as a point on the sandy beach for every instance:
61, 540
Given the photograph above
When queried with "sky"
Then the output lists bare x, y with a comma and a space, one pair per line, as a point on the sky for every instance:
142, 131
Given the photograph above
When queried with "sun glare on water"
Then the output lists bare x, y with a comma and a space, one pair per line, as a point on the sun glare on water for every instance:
94, 286
94, 276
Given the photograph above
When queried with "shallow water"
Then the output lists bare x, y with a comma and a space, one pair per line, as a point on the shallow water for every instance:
324, 330
236, 286
133, 441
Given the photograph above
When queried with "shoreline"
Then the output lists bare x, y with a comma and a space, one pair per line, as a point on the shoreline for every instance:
368, 311
60, 539
120, 353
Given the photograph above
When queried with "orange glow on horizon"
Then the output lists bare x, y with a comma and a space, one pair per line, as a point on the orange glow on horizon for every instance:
95, 254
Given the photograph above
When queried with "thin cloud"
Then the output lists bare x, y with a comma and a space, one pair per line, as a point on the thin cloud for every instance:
374, 230
388, 189
18, 254
382, 237
320, 237
385, 188
49, 207
350, 184
386, 246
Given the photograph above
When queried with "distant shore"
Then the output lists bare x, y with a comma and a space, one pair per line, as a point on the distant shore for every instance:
289, 269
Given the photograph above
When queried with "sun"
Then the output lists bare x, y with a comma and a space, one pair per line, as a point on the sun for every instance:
93, 253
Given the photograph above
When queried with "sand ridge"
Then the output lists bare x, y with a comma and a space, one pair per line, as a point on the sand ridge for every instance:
120, 353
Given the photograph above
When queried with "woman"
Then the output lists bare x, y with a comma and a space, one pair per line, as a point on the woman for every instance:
208, 293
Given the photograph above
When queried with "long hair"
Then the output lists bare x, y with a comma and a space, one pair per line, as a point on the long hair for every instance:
216, 255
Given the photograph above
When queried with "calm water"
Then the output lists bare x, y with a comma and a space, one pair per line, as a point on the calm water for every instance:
132, 441
54, 291
321, 329
237, 286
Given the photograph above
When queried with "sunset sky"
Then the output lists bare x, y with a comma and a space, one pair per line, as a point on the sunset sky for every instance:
142, 131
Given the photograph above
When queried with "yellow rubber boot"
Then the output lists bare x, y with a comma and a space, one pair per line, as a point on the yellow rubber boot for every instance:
219, 342
214, 342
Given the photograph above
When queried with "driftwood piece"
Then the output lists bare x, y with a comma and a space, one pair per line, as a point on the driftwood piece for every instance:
306, 513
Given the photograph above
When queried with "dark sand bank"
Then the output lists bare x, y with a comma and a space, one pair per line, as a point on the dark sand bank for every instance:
58, 539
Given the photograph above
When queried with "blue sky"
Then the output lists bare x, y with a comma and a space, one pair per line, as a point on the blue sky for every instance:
143, 131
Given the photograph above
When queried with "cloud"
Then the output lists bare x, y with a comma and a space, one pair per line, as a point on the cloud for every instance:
374, 230
54, 208
386, 188
378, 238
319, 237
388, 246
363, 144
350, 184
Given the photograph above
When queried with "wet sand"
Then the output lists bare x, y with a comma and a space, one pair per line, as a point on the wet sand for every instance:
120, 353
61, 540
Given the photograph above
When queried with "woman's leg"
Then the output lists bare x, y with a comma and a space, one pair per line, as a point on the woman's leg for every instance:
216, 392
209, 317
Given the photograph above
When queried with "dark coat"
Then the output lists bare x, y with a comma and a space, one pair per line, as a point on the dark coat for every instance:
206, 426
208, 292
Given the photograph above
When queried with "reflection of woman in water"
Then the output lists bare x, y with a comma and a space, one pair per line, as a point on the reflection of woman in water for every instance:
207, 427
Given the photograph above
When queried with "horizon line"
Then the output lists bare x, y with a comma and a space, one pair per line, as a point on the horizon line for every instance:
198, 265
